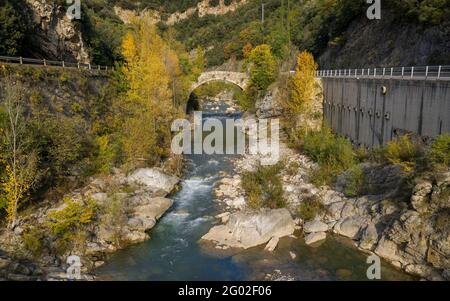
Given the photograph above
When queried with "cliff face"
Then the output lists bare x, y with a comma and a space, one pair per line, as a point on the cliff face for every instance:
203, 8
55, 36
388, 42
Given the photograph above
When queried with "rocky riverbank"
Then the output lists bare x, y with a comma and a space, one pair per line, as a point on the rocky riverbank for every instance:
127, 207
406, 235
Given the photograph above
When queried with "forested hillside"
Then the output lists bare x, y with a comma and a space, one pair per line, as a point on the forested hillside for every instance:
330, 27
316, 26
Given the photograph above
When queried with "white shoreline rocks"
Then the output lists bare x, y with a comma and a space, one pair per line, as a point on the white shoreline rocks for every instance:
401, 233
249, 229
153, 179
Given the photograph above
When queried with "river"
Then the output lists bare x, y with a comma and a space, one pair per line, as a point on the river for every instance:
175, 253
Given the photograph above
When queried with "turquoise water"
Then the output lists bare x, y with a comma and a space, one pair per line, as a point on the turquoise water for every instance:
174, 251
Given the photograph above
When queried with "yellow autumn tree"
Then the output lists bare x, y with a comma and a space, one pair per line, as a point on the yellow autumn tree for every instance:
150, 64
19, 159
302, 91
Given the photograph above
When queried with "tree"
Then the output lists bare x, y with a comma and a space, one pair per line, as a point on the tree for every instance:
20, 160
150, 68
302, 91
263, 67
199, 63
12, 29
247, 50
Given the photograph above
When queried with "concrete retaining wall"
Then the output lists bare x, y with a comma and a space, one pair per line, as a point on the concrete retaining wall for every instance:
371, 112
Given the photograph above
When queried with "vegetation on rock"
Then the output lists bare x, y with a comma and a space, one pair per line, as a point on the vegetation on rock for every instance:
264, 188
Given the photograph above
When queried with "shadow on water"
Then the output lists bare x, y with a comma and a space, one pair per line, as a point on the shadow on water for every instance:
174, 253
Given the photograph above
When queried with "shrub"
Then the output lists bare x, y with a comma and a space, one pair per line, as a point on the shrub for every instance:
324, 175
333, 154
404, 152
33, 239
264, 188
310, 208
296, 135
439, 152
67, 225
354, 184
114, 213
246, 99
107, 154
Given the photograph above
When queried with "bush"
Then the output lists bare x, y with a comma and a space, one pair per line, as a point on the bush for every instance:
439, 152
246, 99
13, 27
108, 153
354, 184
33, 239
310, 208
67, 225
333, 154
403, 152
264, 188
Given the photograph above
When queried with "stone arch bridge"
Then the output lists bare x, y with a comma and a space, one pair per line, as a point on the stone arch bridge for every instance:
238, 78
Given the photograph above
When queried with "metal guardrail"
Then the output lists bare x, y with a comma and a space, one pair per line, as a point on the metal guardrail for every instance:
50, 63
421, 72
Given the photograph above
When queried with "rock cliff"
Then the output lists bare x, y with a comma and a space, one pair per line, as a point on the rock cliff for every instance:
55, 35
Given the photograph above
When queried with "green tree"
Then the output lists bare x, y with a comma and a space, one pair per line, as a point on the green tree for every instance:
19, 158
263, 67
12, 29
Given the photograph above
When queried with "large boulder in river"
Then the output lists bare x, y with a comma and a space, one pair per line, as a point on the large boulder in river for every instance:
144, 216
252, 228
153, 179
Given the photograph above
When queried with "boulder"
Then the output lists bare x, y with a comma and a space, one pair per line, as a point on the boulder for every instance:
144, 217
153, 179
224, 217
268, 106
315, 226
135, 237
100, 198
350, 227
369, 237
315, 237
335, 210
420, 199
252, 228
388, 250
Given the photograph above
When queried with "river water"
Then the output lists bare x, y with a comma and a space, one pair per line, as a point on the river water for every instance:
175, 253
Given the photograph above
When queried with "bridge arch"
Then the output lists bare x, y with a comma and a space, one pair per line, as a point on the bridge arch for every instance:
238, 79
